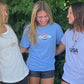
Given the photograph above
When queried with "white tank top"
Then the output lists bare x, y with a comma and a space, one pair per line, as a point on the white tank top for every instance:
12, 65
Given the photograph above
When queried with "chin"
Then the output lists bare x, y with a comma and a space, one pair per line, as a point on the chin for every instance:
70, 22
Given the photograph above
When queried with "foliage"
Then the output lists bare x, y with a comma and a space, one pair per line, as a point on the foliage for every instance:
20, 15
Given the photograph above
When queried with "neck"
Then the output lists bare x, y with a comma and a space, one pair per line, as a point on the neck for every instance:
3, 29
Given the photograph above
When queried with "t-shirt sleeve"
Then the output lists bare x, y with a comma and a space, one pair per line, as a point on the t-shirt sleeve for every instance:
59, 33
25, 38
64, 38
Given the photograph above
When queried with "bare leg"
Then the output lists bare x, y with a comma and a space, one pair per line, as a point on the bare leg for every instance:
47, 81
33, 80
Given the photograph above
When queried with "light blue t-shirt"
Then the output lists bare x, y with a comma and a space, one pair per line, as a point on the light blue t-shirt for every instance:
41, 56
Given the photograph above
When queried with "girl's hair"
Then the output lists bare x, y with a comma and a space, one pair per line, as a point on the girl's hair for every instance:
39, 6
78, 13
2, 4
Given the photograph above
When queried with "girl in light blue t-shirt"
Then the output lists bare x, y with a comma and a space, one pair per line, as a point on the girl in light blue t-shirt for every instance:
41, 37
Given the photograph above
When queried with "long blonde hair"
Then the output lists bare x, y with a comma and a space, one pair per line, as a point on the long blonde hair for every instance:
39, 6
2, 4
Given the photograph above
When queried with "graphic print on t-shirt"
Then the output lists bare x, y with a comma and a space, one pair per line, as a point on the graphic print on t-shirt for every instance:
73, 50
44, 36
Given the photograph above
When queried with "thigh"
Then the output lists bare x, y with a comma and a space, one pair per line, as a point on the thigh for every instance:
33, 80
47, 80
47, 77
34, 77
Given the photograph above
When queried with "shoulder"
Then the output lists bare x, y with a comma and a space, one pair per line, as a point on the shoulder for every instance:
8, 26
68, 30
26, 28
56, 24
56, 27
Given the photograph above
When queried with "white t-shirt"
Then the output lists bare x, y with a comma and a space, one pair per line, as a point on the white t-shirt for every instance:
12, 65
74, 59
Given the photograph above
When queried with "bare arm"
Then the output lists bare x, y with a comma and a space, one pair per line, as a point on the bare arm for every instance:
23, 50
60, 49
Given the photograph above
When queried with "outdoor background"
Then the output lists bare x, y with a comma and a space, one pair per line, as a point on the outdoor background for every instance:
20, 15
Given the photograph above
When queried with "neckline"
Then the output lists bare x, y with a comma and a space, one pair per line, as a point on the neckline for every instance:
44, 26
6, 31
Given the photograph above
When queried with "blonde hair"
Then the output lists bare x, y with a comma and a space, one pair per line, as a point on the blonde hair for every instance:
39, 6
2, 4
